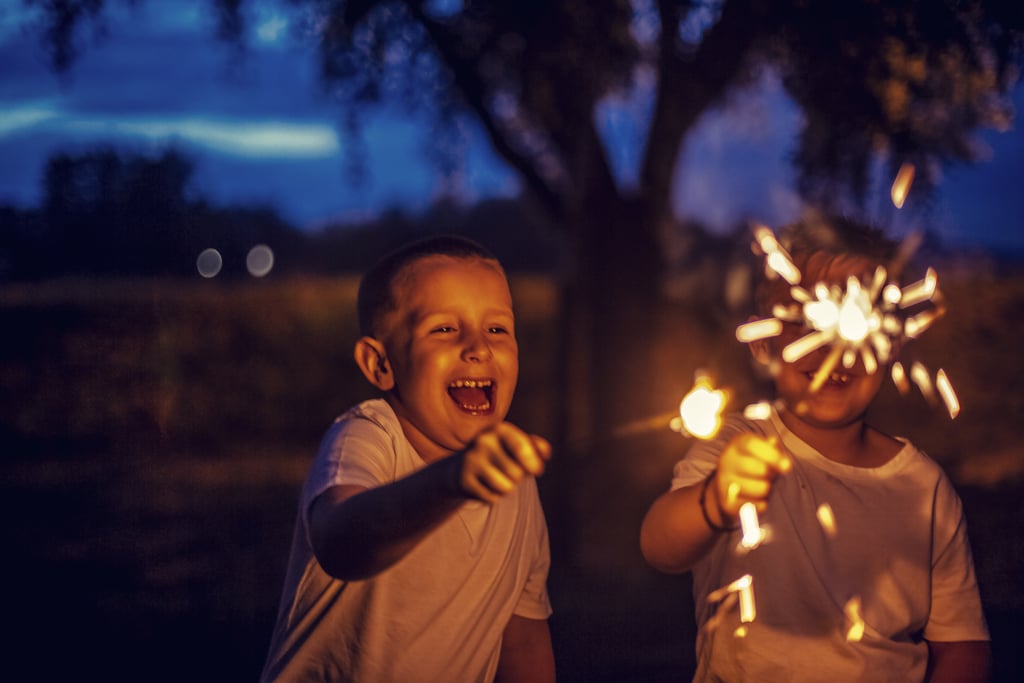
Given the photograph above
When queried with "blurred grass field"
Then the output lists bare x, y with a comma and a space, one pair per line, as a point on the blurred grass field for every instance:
154, 436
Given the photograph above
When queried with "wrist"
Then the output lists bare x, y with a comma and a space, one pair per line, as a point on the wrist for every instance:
721, 525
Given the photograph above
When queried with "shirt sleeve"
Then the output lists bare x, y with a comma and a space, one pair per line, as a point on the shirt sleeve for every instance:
354, 451
534, 602
956, 612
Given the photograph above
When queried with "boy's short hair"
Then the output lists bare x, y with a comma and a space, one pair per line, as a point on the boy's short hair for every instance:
376, 296
832, 235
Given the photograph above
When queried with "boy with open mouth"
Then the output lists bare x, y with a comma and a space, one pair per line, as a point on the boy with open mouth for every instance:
421, 550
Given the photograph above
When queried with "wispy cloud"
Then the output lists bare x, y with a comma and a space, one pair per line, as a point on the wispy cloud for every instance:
245, 138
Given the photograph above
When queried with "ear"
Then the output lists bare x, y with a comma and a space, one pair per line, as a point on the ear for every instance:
372, 359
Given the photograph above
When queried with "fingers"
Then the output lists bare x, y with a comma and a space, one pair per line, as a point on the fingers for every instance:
499, 459
746, 470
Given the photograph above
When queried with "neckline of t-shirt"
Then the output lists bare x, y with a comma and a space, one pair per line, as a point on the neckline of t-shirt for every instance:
807, 453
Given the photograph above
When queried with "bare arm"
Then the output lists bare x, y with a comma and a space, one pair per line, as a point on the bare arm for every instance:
674, 535
959, 662
526, 652
357, 532
679, 529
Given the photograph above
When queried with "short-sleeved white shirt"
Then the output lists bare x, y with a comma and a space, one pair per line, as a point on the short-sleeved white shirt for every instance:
896, 564
436, 615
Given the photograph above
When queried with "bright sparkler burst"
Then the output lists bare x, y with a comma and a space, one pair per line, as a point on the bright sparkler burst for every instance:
863, 319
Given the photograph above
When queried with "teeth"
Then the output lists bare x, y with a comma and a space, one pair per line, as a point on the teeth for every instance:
471, 383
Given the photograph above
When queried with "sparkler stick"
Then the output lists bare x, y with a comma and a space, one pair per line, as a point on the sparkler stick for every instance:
701, 415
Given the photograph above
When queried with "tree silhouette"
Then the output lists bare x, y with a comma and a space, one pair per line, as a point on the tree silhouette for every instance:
906, 80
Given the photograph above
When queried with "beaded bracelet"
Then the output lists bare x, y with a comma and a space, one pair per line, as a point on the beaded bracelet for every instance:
703, 508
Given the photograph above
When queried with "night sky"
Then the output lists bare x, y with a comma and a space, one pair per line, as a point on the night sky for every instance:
261, 130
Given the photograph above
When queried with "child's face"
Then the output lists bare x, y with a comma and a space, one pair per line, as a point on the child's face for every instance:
452, 346
846, 394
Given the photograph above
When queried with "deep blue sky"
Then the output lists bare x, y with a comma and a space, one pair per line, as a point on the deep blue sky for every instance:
261, 130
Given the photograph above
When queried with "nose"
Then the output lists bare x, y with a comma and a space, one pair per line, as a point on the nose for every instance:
476, 349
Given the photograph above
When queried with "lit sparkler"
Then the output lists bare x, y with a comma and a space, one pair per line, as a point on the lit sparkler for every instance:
862, 319
700, 415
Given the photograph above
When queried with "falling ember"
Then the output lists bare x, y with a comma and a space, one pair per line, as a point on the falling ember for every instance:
745, 586
947, 393
701, 409
826, 519
742, 587
752, 532
852, 612
901, 186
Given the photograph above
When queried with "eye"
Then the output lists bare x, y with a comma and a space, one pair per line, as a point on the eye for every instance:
443, 329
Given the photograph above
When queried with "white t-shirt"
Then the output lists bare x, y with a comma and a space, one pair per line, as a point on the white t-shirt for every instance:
436, 615
854, 601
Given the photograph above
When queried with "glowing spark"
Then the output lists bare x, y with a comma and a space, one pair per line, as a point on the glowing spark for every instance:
913, 327
759, 329
761, 410
826, 368
804, 345
922, 290
899, 377
826, 519
752, 532
901, 186
919, 374
776, 258
852, 612
701, 409
945, 388
745, 586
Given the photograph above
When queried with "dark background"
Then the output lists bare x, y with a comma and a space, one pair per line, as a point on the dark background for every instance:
155, 433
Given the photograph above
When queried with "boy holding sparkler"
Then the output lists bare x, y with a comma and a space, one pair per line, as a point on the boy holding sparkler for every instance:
865, 571
421, 551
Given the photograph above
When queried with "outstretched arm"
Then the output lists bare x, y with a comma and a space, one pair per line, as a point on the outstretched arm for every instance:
681, 525
959, 662
526, 652
357, 532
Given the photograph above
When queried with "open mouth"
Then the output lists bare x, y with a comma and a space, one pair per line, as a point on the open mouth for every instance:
835, 379
474, 396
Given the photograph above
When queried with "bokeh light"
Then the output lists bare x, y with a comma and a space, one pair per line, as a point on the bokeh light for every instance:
209, 263
259, 261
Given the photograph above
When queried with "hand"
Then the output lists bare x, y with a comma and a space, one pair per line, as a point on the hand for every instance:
498, 459
746, 470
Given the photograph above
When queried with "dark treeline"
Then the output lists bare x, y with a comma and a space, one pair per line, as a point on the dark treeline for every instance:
107, 213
